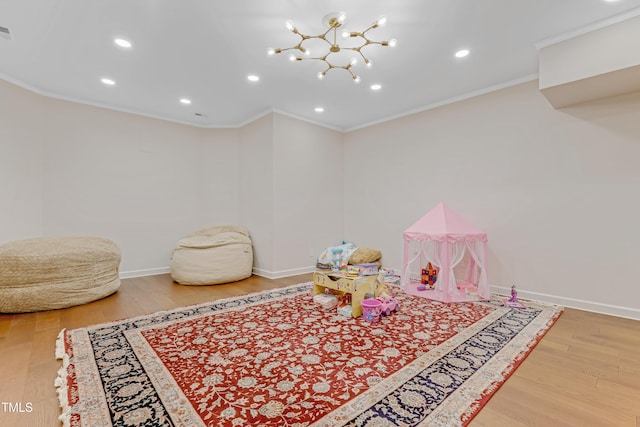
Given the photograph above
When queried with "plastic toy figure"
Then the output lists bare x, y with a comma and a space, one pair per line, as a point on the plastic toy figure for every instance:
513, 302
388, 304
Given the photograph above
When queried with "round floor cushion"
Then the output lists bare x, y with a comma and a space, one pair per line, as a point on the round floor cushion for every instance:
47, 273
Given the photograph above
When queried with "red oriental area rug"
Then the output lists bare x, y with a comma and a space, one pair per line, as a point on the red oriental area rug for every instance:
275, 359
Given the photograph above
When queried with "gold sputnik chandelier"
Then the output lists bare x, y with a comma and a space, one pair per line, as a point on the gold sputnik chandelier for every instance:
334, 21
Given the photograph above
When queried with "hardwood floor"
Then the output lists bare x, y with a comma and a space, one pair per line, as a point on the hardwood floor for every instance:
584, 372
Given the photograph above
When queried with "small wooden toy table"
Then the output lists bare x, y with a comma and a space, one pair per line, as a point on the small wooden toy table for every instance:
357, 286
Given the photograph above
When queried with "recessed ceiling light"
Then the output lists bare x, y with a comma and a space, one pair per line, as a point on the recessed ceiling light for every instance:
319, 109
185, 101
376, 87
253, 78
122, 43
462, 53
107, 81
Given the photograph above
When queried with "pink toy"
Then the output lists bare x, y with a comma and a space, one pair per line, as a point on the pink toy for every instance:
371, 309
513, 302
387, 304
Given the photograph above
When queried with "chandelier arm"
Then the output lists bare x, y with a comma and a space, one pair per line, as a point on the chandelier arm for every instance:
320, 37
323, 35
318, 58
287, 48
371, 27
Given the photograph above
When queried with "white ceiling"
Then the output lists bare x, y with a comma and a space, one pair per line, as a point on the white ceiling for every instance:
204, 50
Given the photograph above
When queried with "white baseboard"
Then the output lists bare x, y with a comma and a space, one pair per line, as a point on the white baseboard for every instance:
282, 273
595, 307
257, 271
142, 273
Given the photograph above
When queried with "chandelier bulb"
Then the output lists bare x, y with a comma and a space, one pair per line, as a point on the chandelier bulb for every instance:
321, 75
271, 51
393, 43
353, 61
382, 21
307, 52
342, 18
346, 34
368, 63
356, 79
292, 57
289, 25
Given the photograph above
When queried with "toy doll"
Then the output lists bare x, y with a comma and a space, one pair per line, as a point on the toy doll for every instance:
513, 302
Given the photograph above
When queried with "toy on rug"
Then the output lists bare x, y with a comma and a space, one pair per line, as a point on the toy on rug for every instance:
513, 302
391, 277
344, 307
429, 277
387, 304
371, 310
327, 300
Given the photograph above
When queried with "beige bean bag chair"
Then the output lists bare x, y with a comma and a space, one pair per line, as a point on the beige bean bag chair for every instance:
47, 273
213, 255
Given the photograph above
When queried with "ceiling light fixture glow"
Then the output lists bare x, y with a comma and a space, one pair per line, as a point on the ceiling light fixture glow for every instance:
107, 81
376, 87
318, 109
334, 21
185, 101
253, 78
462, 53
122, 43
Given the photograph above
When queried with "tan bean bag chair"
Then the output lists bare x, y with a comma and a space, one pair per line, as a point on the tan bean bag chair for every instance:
212, 256
47, 273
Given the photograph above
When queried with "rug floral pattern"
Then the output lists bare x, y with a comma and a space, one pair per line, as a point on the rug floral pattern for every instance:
274, 359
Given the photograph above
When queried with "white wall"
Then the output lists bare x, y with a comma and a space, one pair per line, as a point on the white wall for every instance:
256, 190
219, 158
308, 193
290, 192
556, 191
72, 169
141, 182
21, 162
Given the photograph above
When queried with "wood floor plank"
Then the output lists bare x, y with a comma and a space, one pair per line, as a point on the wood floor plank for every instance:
584, 372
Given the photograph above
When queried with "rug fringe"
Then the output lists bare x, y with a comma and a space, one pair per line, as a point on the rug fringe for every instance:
61, 389
60, 382
60, 345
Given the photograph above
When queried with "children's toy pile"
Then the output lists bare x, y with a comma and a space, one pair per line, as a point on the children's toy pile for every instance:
341, 257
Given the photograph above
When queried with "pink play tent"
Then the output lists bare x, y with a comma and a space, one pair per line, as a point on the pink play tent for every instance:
454, 247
